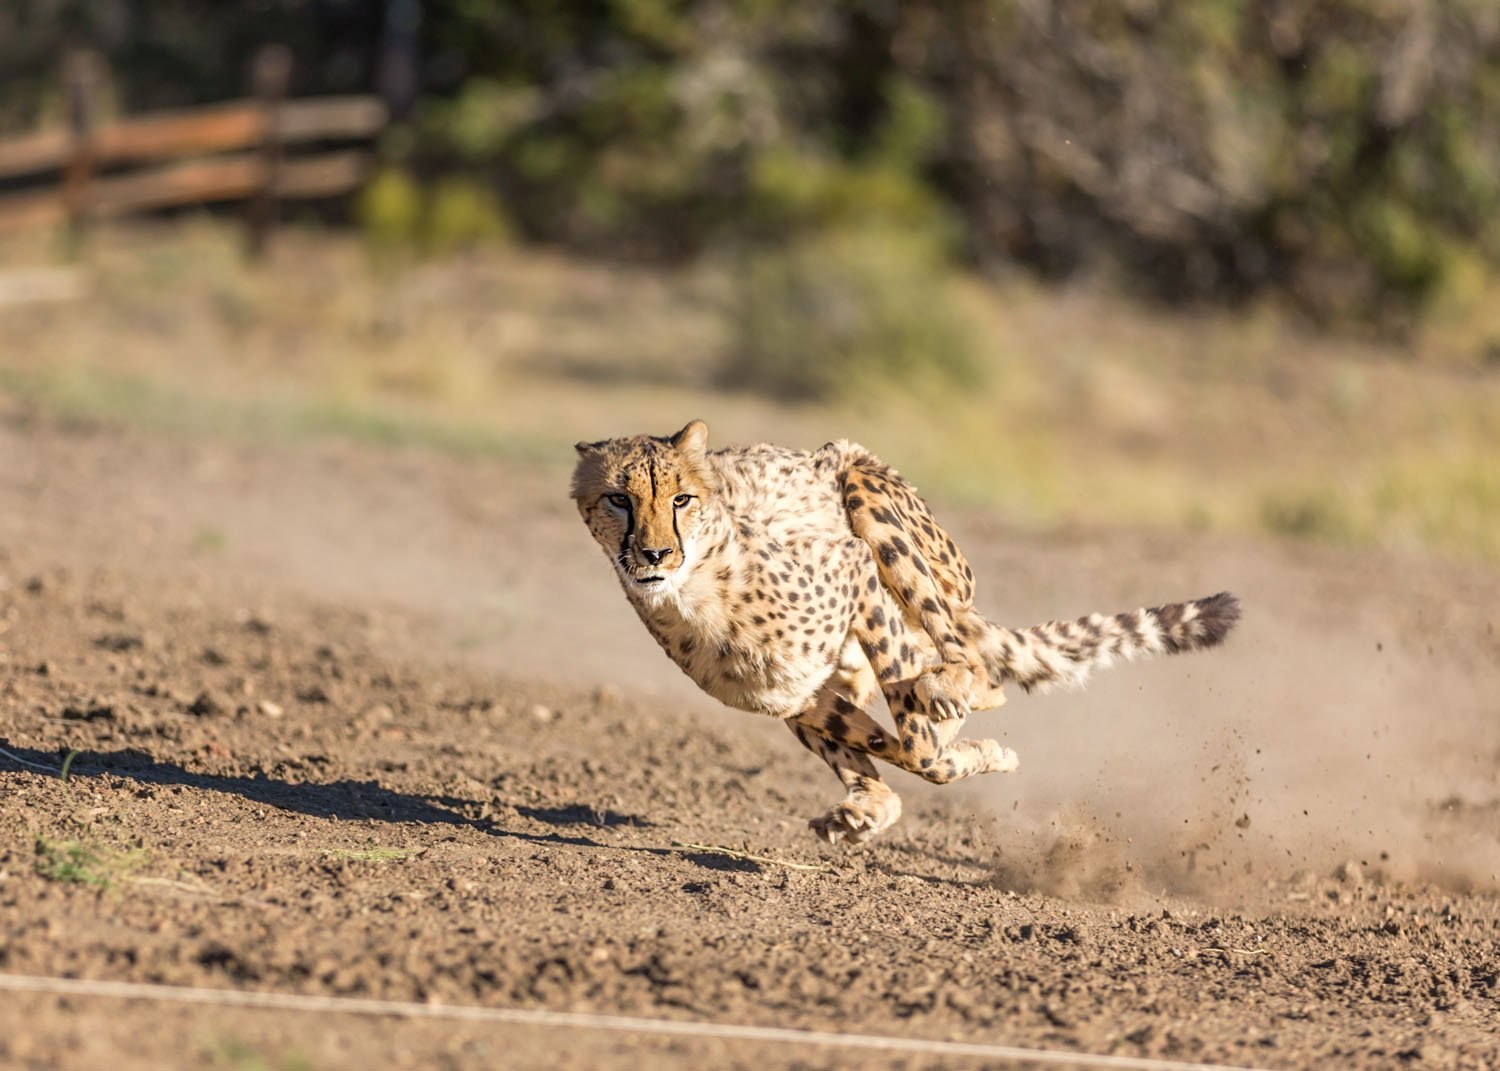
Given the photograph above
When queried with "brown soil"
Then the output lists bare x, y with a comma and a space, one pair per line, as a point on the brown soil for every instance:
379, 724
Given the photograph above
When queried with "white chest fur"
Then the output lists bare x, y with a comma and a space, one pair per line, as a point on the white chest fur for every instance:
695, 622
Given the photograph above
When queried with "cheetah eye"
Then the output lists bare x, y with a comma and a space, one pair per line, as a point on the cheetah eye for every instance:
622, 501
681, 500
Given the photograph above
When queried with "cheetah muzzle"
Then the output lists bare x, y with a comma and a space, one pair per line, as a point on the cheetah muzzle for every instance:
802, 585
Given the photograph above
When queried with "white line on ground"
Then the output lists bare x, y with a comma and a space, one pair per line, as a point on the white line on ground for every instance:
297, 1002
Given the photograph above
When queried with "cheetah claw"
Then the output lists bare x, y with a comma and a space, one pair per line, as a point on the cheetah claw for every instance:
944, 692
855, 822
948, 710
832, 829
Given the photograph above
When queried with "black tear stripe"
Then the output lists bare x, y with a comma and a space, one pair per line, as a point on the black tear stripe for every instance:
629, 531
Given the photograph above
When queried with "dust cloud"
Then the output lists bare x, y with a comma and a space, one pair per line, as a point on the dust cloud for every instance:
1347, 728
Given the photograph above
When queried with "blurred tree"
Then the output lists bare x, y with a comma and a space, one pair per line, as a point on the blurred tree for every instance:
175, 52
1343, 151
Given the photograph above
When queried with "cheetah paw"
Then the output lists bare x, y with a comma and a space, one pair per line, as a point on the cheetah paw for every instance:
944, 692
998, 759
857, 819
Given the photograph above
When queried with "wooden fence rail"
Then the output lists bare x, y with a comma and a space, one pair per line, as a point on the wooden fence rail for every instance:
209, 128
218, 152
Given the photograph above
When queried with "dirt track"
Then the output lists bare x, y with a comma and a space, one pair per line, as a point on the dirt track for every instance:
358, 723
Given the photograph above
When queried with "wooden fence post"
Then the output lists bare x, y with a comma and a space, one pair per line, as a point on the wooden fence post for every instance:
396, 79
81, 70
271, 77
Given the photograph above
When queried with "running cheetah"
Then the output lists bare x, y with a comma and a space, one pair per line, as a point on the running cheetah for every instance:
800, 584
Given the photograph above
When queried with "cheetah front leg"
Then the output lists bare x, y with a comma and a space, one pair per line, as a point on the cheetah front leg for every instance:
870, 807
836, 721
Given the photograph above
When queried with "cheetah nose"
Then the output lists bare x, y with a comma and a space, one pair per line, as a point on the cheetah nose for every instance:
655, 556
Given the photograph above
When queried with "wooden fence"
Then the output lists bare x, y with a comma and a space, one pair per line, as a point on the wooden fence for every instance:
235, 151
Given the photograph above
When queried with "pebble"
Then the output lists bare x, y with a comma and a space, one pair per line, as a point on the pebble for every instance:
252, 621
541, 713
378, 714
270, 709
206, 705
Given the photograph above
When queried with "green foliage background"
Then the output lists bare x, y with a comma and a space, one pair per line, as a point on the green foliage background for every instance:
1341, 154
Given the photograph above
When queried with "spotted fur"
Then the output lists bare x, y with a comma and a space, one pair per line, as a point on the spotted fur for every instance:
803, 585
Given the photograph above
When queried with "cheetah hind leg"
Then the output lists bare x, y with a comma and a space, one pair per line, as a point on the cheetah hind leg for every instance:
929, 579
871, 806
925, 742
953, 689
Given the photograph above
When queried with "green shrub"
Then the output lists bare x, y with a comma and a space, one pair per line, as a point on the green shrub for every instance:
1312, 514
461, 212
397, 213
844, 307
1447, 500
390, 209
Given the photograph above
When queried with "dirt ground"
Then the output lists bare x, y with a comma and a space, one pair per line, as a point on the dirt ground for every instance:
349, 722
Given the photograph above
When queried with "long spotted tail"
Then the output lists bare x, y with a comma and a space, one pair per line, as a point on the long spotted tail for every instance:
1064, 653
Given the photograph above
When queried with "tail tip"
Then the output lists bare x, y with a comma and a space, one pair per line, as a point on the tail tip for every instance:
1217, 614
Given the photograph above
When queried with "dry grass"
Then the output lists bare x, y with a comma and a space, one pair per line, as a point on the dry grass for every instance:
1090, 411
85, 860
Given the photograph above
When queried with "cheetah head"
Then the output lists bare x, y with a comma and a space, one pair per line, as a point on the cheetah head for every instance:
646, 499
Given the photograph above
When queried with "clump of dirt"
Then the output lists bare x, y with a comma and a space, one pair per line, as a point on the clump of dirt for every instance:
1072, 857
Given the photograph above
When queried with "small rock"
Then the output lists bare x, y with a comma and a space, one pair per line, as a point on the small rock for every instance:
609, 695
89, 712
541, 713
119, 642
470, 787
205, 706
375, 716
270, 709
261, 623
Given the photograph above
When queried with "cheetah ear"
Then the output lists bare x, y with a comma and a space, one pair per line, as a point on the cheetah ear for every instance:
587, 449
693, 439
